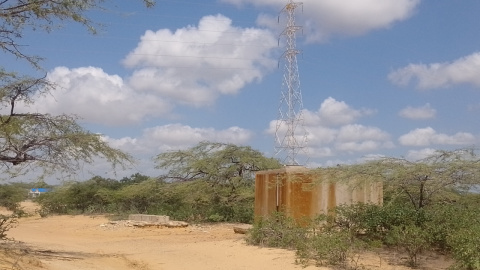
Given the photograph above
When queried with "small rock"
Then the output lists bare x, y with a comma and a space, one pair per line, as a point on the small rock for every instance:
242, 229
176, 224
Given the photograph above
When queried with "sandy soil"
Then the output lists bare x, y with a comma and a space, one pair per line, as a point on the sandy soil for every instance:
88, 243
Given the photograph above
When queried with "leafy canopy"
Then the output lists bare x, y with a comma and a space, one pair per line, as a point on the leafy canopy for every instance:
29, 140
52, 142
441, 176
218, 163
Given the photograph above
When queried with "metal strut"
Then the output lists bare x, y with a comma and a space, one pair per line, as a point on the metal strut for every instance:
290, 134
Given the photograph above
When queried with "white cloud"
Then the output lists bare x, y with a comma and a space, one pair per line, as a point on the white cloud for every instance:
319, 152
331, 131
196, 64
358, 132
193, 65
359, 138
320, 135
127, 144
419, 113
98, 97
363, 146
159, 139
440, 75
324, 18
428, 136
334, 113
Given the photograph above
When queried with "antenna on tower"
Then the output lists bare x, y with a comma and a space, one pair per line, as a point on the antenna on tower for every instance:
290, 133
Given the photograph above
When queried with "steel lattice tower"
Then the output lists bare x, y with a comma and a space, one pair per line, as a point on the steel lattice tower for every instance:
288, 142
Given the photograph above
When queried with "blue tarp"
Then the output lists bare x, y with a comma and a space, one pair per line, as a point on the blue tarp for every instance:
41, 190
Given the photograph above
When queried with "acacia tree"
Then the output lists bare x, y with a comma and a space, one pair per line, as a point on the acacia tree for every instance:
32, 140
222, 176
440, 176
51, 142
218, 163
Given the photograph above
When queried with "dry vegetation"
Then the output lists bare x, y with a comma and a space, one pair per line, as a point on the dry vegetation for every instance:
92, 242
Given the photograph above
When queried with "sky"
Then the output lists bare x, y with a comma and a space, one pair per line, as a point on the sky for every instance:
395, 78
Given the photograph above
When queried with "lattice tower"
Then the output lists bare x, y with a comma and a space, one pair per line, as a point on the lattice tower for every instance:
290, 134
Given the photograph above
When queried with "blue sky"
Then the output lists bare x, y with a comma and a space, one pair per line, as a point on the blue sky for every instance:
393, 78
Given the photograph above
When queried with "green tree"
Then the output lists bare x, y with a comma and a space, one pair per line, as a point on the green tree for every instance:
51, 142
11, 195
442, 176
217, 163
224, 177
134, 179
6, 223
93, 195
465, 248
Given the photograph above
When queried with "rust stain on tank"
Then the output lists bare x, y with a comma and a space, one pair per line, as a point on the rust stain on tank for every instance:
332, 196
259, 194
299, 194
301, 199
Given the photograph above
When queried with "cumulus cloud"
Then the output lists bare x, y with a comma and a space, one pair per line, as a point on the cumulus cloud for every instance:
331, 130
359, 138
324, 18
177, 136
196, 64
418, 113
98, 97
334, 113
440, 75
428, 136
193, 65
356, 132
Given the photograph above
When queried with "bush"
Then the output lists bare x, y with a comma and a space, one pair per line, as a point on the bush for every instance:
316, 240
327, 248
11, 195
396, 224
139, 198
6, 223
194, 201
367, 219
465, 246
413, 239
277, 230
447, 226
447, 219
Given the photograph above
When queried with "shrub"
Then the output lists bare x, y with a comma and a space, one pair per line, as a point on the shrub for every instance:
326, 248
373, 222
7, 222
277, 230
465, 246
11, 195
447, 219
413, 239
367, 219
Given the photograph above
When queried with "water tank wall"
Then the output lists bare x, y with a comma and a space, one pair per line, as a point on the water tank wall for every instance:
299, 193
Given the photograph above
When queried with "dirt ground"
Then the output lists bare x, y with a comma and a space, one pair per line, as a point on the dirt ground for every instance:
91, 243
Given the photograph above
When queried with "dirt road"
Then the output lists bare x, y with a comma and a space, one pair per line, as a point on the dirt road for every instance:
84, 242
91, 243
